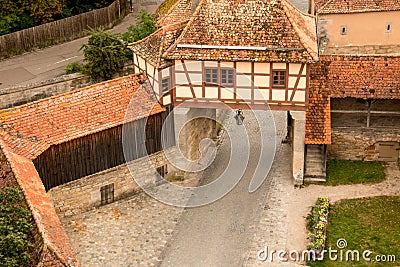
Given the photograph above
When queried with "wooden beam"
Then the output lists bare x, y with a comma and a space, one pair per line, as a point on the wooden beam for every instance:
366, 112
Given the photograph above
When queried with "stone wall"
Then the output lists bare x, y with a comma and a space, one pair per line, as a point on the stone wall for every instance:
18, 95
359, 143
84, 194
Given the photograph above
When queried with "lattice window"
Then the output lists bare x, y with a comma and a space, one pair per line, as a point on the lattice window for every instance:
279, 78
107, 194
212, 76
227, 77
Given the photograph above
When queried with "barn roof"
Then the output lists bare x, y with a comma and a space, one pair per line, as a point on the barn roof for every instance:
358, 6
178, 13
347, 76
32, 128
247, 30
153, 46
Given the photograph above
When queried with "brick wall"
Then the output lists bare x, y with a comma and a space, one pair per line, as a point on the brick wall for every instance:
359, 143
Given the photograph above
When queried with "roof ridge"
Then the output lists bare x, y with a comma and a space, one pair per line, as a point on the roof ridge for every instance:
198, 8
323, 6
69, 92
165, 30
169, 11
300, 11
144, 39
296, 28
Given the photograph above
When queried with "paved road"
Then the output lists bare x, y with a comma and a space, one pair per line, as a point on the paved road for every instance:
219, 234
50, 62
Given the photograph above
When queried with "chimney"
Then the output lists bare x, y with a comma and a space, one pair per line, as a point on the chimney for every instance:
195, 3
311, 7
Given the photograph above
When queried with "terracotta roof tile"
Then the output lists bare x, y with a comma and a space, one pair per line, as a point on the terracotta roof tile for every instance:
363, 76
357, 6
153, 46
178, 13
49, 225
30, 129
318, 121
347, 76
277, 29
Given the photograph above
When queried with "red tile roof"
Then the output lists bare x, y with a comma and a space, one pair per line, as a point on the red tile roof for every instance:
319, 4
153, 46
363, 76
347, 76
318, 121
55, 239
277, 30
32, 128
180, 12
357, 6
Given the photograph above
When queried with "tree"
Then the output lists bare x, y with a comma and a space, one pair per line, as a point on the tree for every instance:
104, 54
146, 25
43, 11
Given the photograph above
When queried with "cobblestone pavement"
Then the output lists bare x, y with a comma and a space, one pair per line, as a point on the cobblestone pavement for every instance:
271, 226
219, 234
130, 232
141, 231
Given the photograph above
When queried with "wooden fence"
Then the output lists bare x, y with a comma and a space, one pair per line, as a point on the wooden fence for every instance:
61, 30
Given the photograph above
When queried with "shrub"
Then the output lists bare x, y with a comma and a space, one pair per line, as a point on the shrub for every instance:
145, 25
74, 67
104, 54
16, 224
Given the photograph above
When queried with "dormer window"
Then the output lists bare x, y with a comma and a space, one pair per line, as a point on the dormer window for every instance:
343, 30
388, 27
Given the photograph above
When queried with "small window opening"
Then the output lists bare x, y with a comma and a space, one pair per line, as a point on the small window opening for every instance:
165, 85
388, 27
343, 30
107, 194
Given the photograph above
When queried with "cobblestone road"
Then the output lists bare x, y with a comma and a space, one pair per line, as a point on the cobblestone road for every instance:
141, 231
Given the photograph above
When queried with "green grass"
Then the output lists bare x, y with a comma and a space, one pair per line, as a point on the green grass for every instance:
366, 224
340, 172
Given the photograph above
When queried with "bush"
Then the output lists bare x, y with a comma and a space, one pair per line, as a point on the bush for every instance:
16, 224
74, 67
145, 25
104, 55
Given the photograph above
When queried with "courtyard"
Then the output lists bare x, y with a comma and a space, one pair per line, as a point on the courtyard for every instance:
140, 231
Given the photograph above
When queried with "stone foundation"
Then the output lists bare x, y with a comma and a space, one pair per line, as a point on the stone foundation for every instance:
359, 143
